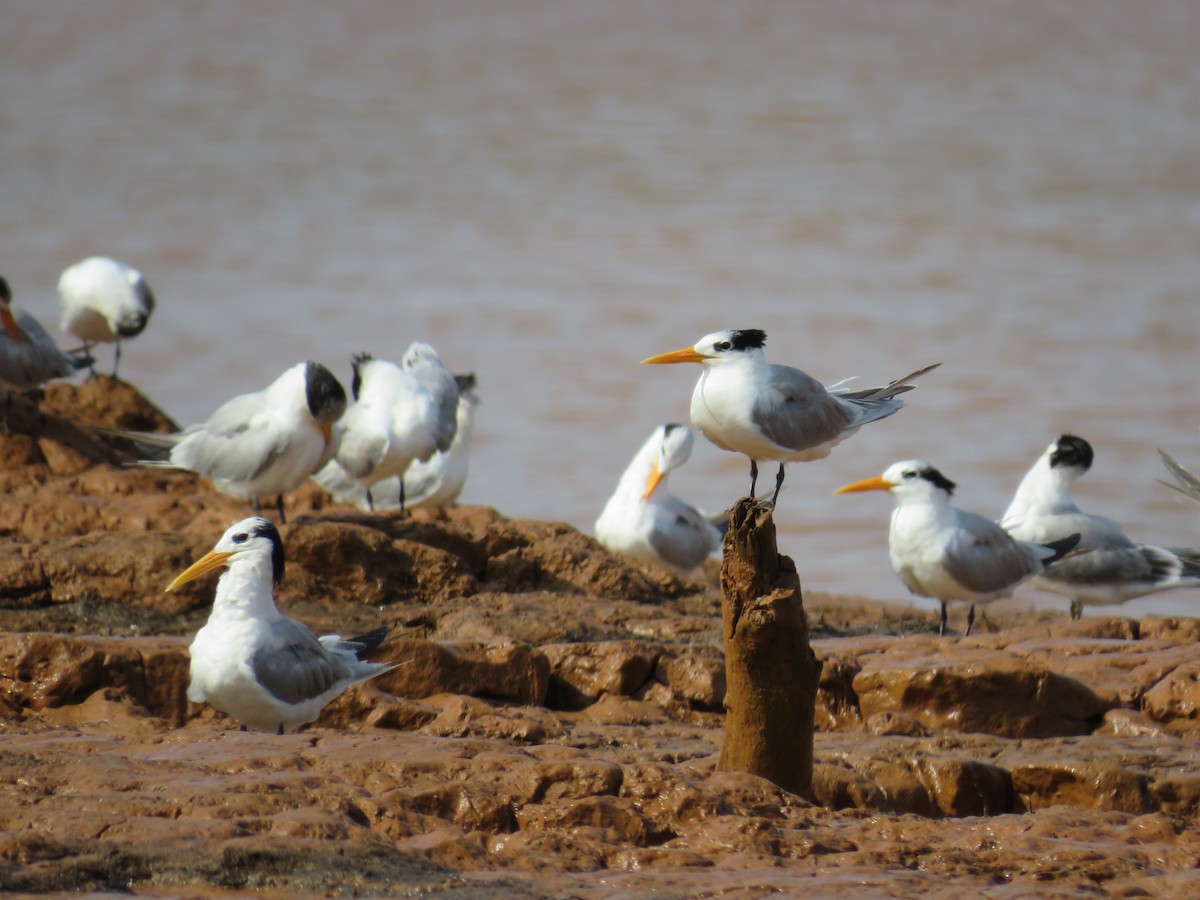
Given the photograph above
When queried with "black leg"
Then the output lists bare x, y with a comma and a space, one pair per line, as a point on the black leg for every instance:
279, 506
116, 360
753, 476
778, 485
257, 506
402, 494
1076, 608
243, 728
942, 627
280, 731
970, 621
370, 501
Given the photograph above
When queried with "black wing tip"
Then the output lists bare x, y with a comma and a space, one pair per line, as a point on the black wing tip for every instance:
367, 643
1061, 547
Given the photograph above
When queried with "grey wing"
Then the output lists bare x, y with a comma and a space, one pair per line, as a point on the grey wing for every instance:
447, 403
1187, 559
1093, 531
237, 443
688, 543
797, 412
892, 389
1111, 566
443, 388
296, 667
38, 356
873, 404
236, 416
984, 558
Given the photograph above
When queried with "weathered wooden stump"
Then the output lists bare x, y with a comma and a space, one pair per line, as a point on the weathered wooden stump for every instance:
770, 669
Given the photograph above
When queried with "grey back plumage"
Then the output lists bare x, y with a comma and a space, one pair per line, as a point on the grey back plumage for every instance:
32, 358
235, 444
1131, 566
296, 666
689, 543
991, 560
790, 392
422, 361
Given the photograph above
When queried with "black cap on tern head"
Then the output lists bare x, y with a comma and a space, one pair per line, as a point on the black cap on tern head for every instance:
748, 338
5, 291
1070, 450
324, 394
265, 528
937, 479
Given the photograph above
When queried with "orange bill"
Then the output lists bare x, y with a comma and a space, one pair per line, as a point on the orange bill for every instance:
652, 482
687, 354
209, 561
867, 484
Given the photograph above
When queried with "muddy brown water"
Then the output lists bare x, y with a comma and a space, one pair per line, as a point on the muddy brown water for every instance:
550, 192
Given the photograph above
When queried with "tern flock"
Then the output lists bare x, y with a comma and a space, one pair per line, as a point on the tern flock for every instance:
404, 442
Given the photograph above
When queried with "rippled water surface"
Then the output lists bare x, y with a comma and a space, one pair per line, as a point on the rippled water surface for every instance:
551, 191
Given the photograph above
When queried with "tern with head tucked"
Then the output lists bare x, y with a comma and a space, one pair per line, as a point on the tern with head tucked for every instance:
401, 413
251, 662
949, 554
644, 520
28, 355
1111, 567
746, 405
262, 444
422, 362
104, 301
429, 483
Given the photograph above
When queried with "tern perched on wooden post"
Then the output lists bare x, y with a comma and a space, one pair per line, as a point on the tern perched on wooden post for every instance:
746, 405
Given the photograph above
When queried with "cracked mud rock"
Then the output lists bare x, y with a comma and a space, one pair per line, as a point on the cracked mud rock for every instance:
557, 729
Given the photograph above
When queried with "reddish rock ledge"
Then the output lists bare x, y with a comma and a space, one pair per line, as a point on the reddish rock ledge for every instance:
556, 729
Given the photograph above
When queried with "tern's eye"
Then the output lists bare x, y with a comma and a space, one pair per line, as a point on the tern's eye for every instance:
241, 537
722, 345
908, 473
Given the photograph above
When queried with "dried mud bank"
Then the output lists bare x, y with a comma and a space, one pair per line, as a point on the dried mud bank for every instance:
557, 728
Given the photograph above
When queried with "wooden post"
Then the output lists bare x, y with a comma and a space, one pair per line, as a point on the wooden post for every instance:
770, 670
